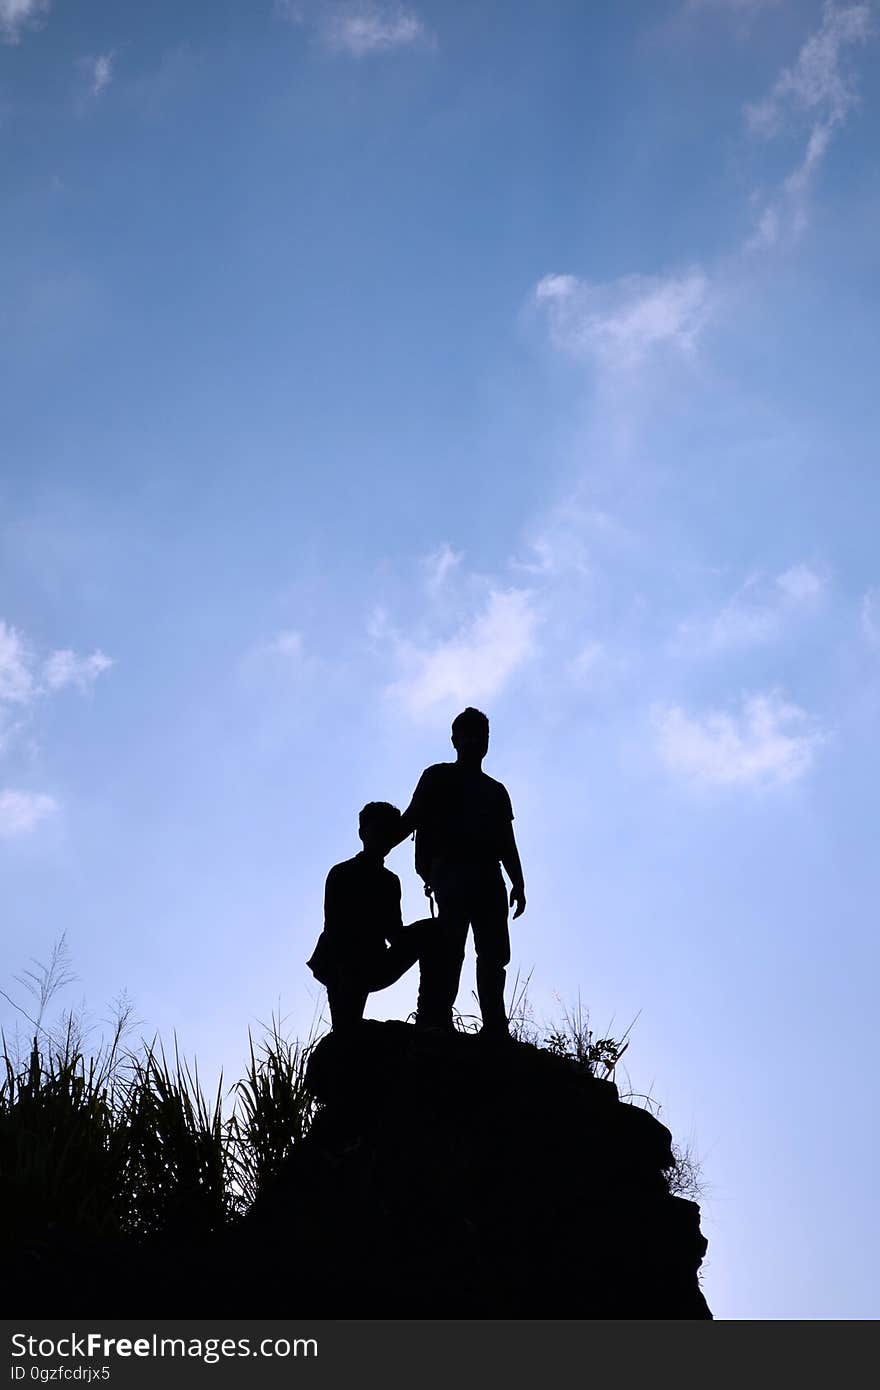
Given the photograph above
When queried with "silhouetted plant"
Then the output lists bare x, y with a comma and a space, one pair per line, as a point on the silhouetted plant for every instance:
273, 1110
177, 1163
58, 1157
571, 1038
125, 1142
685, 1177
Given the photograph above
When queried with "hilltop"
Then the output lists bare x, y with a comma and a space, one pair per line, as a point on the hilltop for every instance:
444, 1177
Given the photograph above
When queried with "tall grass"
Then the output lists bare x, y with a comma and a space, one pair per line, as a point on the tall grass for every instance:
128, 1144
273, 1111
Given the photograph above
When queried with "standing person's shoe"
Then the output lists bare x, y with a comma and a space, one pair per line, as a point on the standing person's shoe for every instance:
496, 1032
427, 1023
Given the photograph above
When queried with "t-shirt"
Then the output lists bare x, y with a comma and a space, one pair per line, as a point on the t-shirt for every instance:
462, 816
361, 913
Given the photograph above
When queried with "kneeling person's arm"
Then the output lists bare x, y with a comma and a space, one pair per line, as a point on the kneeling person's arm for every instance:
333, 905
393, 924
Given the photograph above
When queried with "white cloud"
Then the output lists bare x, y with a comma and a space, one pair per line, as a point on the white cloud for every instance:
567, 538
871, 616
785, 212
16, 680
815, 82
742, 624
621, 322
294, 11
474, 664
439, 565
24, 681
588, 664
815, 85
16, 15
21, 812
360, 28
801, 584
740, 15
287, 643
100, 70
769, 742
757, 613
66, 668
737, 6
379, 626
371, 28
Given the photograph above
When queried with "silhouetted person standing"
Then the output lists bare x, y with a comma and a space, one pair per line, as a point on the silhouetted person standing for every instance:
361, 915
463, 821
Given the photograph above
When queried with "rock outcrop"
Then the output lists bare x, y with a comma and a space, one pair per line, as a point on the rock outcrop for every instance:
446, 1177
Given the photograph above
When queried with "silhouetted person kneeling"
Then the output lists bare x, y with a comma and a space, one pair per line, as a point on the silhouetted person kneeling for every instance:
463, 821
361, 915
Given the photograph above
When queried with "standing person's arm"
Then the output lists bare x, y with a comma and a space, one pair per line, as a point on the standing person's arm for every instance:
415, 817
513, 867
406, 825
414, 812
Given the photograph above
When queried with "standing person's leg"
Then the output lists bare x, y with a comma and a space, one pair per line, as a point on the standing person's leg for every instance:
492, 941
443, 953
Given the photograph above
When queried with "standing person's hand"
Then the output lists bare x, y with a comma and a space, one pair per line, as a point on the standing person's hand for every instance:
518, 898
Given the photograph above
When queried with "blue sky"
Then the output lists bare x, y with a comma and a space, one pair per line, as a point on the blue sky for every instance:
360, 362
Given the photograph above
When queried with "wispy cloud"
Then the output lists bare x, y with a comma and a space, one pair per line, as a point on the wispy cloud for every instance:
16, 679
21, 812
567, 538
630, 331
757, 613
17, 15
740, 15
26, 679
592, 666
815, 82
472, 665
282, 653
733, 6
870, 614
618, 324
801, 584
365, 29
621, 322
818, 87
287, 644
767, 742
359, 29
100, 72
439, 565
66, 668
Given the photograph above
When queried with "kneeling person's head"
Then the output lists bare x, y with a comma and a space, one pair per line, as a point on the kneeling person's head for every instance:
378, 824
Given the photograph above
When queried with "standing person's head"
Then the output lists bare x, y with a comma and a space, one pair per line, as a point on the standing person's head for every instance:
377, 825
470, 736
